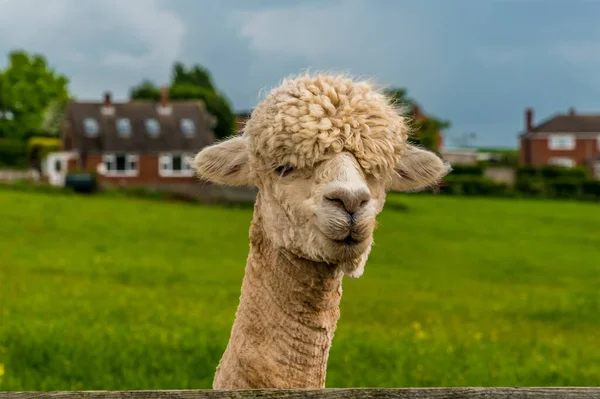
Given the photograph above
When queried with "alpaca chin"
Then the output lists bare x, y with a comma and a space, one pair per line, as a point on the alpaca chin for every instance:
356, 268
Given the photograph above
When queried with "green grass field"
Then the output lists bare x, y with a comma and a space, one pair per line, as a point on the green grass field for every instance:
113, 293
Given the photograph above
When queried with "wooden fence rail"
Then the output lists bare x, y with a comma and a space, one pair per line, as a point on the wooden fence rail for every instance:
359, 393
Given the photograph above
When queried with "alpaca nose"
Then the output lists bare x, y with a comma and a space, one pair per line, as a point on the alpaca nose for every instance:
349, 199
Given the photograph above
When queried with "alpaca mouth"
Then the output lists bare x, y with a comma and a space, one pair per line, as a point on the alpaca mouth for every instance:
345, 238
349, 240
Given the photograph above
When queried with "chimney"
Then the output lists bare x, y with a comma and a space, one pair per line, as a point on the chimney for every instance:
571, 111
107, 99
164, 96
107, 108
529, 119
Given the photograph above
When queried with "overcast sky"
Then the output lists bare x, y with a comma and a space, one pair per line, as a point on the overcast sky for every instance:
478, 63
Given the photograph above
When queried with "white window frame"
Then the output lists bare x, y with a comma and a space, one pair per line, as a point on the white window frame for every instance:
147, 124
164, 110
124, 134
562, 161
597, 170
598, 142
553, 142
85, 127
165, 165
129, 159
108, 111
186, 133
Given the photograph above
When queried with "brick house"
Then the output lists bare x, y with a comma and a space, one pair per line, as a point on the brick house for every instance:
135, 143
569, 139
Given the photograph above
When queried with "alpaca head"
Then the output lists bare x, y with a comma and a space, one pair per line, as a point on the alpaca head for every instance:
323, 151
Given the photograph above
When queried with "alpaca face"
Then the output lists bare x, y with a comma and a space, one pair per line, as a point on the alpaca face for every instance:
323, 152
325, 213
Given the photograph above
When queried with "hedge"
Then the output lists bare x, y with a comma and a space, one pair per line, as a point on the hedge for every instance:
526, 171
470, 170
525, 186
591, 188
21, 154
556, 172
13, 154
556, 182
552, 172
530, 186
475, 186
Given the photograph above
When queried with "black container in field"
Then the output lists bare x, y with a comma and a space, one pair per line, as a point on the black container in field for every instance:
81, 182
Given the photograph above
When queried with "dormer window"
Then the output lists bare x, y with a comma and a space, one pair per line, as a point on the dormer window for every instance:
187, 127
123, 127
90, 126
152, 127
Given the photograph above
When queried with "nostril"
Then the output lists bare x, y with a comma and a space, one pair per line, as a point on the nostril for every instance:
336, 201
349, 200
363, 197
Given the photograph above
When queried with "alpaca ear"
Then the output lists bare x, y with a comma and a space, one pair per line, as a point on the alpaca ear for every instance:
225, 163
417, 169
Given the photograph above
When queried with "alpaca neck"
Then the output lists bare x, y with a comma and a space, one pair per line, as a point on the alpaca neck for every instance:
285, 321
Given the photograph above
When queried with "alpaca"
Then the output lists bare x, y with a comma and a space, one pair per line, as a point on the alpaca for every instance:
323, 151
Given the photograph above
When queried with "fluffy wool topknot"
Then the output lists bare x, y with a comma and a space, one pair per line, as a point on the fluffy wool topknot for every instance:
307, 119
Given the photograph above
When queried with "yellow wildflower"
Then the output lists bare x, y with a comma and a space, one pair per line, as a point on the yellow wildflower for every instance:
1, 369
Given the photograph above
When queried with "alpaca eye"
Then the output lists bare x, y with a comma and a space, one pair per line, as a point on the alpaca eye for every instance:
283, 170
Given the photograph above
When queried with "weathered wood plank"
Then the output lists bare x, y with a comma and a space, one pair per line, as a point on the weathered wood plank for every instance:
359, 393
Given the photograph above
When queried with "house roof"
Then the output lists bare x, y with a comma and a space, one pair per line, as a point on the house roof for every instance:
170, 138
579, 124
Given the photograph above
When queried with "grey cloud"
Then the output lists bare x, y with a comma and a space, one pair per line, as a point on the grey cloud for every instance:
475, 63
100, 45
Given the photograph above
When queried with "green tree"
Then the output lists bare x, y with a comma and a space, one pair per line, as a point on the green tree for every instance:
53, 117
196, 75
146, 90
28, 88
194, 83
427, 127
